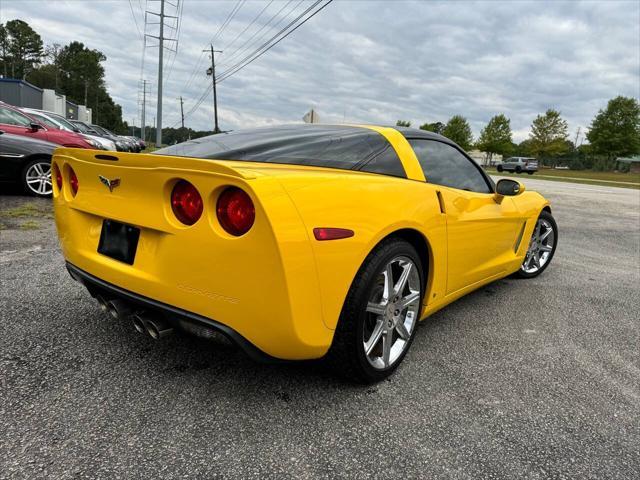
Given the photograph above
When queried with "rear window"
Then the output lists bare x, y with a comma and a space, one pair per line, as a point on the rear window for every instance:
346, 148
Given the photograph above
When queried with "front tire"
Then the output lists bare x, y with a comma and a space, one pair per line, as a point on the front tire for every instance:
36, 178
499, 168
380, 314
542, 246
518, 169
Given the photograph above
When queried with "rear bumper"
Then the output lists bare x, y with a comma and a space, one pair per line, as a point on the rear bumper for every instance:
262, 285
177, 317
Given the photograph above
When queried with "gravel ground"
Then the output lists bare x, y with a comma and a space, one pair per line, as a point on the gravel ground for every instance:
521, 379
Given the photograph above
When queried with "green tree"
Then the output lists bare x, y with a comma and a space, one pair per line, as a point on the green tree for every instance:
615, 131
47, 75
496, 137
435, 127
4, 51
549, 135
73, 70
458, 130
524, 148
23, 47
403, 123
80, 71
44, 77
81, 78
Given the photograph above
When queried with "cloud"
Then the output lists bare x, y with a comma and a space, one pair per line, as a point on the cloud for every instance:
369, 61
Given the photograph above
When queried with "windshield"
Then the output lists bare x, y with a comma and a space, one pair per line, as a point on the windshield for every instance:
343, 147
100, 130
82, 127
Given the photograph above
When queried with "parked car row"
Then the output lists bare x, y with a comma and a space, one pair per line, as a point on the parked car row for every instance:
29, 136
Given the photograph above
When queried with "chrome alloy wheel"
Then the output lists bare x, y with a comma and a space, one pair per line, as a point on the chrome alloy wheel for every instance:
38, 178
392, 312
540, 247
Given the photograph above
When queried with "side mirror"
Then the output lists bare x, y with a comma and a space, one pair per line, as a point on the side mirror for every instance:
35, 126
508, 188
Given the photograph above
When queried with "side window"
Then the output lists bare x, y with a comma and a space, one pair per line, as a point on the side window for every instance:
445, 165
9, 117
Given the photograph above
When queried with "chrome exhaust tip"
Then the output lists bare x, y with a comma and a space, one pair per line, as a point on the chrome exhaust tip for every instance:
157, 328
118, 309
102, 303
138, 323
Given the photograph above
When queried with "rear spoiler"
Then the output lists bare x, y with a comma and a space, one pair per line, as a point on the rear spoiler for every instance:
151, 161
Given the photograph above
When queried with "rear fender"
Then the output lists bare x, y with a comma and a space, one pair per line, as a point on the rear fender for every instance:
361, 202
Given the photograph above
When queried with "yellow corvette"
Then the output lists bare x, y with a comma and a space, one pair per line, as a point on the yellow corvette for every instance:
296, 242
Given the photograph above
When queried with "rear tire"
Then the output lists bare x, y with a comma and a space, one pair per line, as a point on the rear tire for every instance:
499, 168
542, 246
518, 169
379, 317
530, 172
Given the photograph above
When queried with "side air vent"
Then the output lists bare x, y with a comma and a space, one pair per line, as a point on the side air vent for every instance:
519, 239
440, 201
110, 158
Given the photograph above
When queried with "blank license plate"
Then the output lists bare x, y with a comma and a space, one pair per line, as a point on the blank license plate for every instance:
119, 241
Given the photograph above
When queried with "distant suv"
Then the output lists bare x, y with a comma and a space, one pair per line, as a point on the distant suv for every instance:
519, 165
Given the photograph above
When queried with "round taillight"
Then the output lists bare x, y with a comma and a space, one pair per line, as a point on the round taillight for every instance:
58, 174
186, 202
235, 210
73, 181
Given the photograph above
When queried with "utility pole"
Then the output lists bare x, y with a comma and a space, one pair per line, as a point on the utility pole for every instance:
575, 142
160, 61
212, 71
182, 111
162, 39
144, 110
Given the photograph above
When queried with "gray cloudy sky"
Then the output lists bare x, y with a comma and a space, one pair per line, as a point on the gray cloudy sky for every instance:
369, 61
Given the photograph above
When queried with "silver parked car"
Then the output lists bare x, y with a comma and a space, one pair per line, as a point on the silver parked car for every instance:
519, 165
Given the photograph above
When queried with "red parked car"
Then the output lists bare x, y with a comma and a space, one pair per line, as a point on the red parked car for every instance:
14, 121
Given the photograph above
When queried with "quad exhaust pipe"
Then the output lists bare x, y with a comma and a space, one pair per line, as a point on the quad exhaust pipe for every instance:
118, 309
138, 323
156, 328
102, 303
143, 322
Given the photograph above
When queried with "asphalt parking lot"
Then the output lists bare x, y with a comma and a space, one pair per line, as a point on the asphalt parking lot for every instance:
522, 379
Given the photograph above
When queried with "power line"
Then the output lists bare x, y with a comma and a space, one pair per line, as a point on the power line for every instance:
244, 47
134, 19
230, 16
179, 22
240, 65
248, 26
260, 51
228, 20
